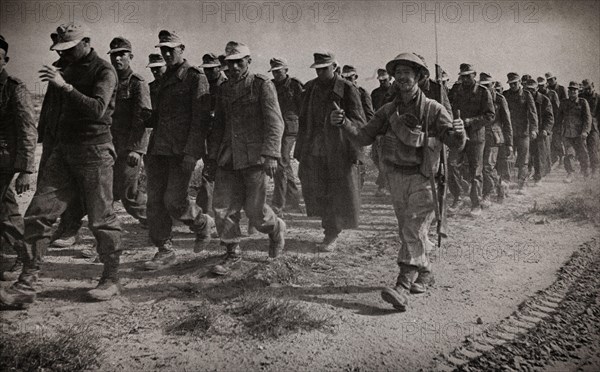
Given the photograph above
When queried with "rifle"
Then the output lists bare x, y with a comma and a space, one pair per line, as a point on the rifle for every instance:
439, 188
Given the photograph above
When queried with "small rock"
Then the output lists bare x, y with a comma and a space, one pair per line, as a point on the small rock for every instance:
479, 321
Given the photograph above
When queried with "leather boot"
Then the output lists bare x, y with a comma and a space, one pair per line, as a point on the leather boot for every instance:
109, 285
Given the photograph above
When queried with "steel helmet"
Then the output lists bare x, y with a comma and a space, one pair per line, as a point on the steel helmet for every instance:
410, 59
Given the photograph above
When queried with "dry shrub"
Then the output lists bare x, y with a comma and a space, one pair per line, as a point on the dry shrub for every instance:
201, 321
265, 316
74, 348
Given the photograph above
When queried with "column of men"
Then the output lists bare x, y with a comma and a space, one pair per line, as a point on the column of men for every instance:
97, 117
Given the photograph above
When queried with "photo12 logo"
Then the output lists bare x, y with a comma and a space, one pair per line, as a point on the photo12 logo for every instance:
470, 11
22, 12
270, 11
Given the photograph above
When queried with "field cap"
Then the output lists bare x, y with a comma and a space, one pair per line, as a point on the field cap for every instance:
277, 64
69, 35
168, 39
323, 60
156, 60
210, 60
531, 84
485, 78
512, 77
541, 80
466, 69
549, 76
348, 71
119, 44
574, 85
235, 50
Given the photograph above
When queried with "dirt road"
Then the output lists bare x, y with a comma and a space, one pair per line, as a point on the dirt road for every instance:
483, 272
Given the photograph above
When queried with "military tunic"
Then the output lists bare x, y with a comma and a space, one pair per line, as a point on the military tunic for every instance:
18, 137
248, 128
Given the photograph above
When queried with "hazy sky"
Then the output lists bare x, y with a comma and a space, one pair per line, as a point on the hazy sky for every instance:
495, 36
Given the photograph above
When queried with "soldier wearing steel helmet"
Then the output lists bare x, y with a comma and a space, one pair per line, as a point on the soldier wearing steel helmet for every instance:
409, 157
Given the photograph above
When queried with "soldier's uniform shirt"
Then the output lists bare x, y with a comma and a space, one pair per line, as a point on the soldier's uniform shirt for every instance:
367, 104
248, 123
475, 103
575, 117
18, 134
18, 137
182, 113
132, 109
378, 96
290, 93
523, 113
560, 90
593, 101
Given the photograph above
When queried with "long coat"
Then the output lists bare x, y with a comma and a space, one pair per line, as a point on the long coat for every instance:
341, 155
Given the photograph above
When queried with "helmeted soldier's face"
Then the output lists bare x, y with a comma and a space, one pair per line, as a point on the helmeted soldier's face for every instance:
121, 60
406, 77
172, 56
515, 86
238, 67
279, 75
552, 81
573, 93
3, 59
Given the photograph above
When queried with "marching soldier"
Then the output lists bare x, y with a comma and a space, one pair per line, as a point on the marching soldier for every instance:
593, 140
18, 137
378, 96
524, 119
385, 84
477, 110
130, 137
349, 73
498, 134
538, 146
88, 88
245, 146
412, 122
212, 69
328, 160
181, 123
555, 86
158, 67
290, 93
554, 143
576, 122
